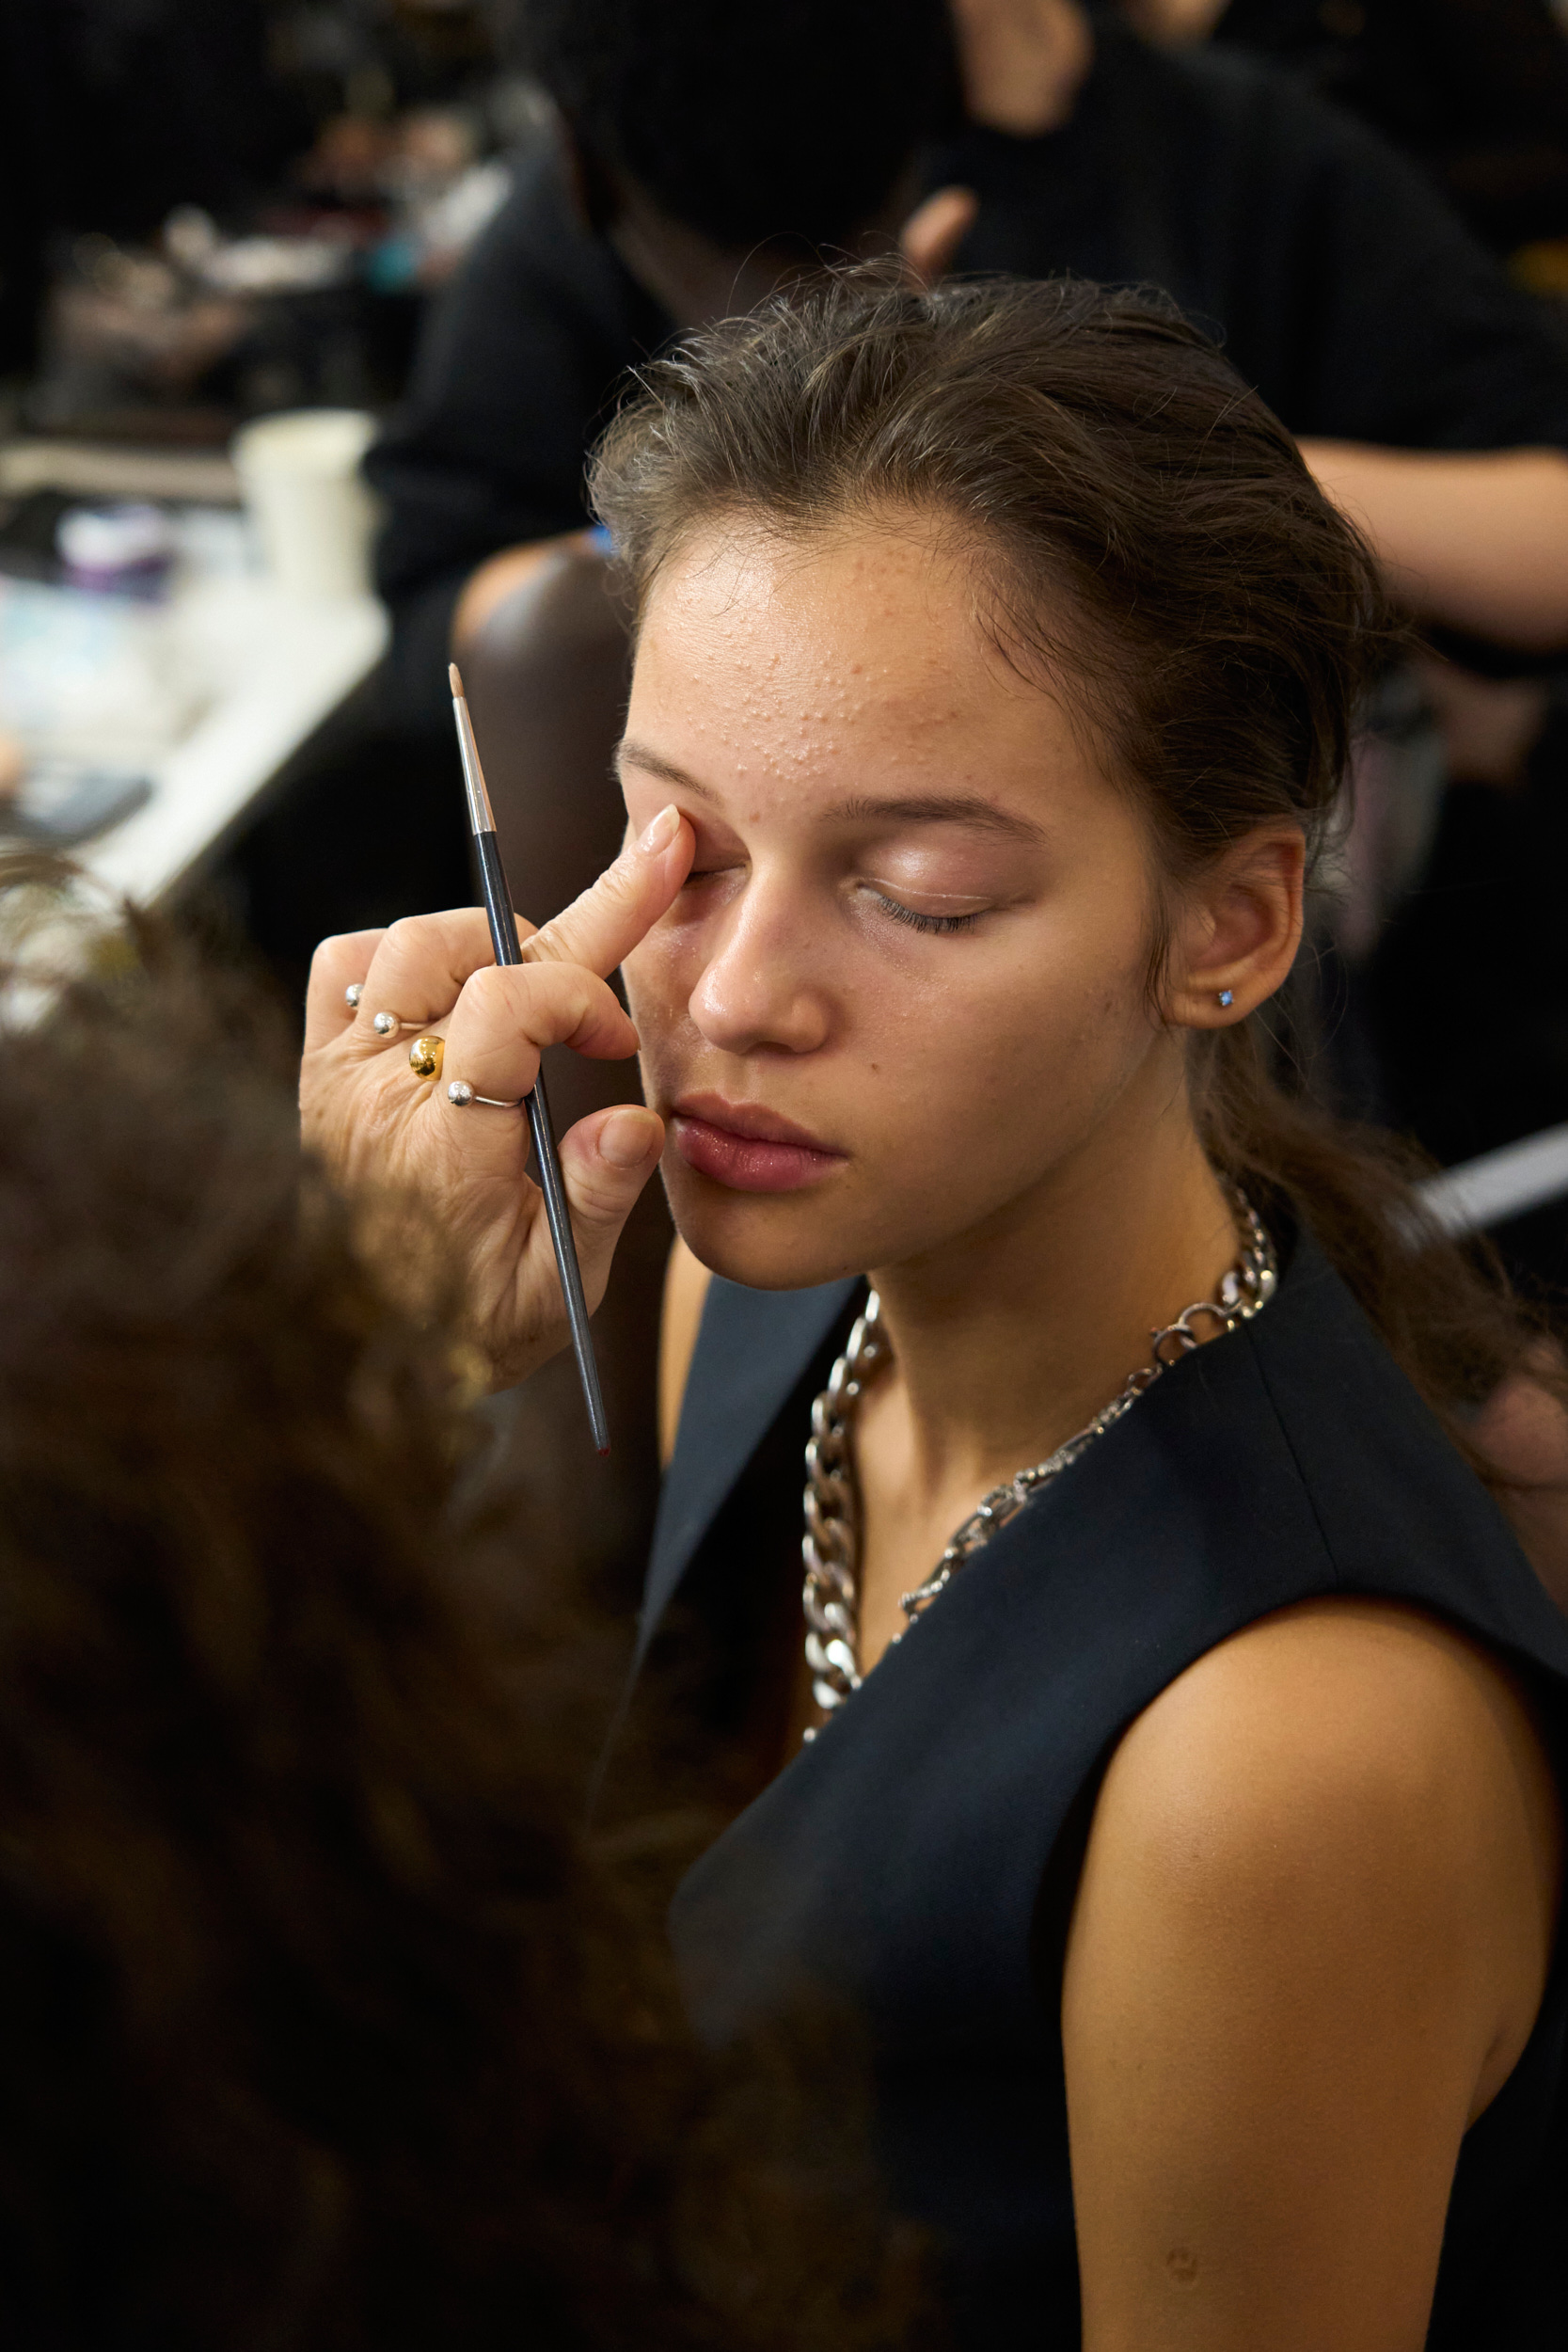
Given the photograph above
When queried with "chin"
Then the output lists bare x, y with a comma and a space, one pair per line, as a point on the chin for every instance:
769, 1242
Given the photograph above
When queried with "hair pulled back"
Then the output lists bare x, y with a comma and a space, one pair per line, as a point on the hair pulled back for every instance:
1146, 537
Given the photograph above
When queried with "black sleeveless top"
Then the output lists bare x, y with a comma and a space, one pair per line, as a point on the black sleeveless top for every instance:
899, 1859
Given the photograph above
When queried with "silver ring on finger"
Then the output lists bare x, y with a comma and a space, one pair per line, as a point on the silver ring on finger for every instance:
352, 995
387, 1025
460, 1094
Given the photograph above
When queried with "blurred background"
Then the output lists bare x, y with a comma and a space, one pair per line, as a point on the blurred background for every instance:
215, 213
227, 227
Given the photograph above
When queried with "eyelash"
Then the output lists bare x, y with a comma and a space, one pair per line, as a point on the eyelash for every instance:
938, 922
926, 922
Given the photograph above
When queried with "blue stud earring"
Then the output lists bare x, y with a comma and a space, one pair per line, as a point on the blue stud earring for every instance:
1227, 996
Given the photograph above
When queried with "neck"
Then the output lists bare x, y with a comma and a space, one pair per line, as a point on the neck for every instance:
1009, 1339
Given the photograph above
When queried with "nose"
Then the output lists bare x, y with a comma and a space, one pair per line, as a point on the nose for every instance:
759, 990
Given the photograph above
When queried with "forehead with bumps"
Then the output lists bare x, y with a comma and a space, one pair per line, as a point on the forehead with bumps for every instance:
794, 649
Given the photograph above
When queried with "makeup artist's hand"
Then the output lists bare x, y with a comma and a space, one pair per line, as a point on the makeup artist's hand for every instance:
376, 1125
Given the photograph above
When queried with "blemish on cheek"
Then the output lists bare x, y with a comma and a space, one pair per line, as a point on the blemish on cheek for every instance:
1181, 2266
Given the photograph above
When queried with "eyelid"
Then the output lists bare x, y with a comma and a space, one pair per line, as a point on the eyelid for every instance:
940, 901
716, 857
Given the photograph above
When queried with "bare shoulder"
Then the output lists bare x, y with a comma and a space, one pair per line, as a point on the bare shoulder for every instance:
1309, 1942
685, 1281
1359, 1760
1330, 1716
1379, 1674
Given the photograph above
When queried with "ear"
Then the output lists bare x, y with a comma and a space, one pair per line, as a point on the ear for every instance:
1237, 930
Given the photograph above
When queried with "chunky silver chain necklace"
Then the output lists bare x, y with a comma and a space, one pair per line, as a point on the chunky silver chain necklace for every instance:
831, 1546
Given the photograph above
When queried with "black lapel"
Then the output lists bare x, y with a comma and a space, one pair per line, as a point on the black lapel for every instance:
752, 1350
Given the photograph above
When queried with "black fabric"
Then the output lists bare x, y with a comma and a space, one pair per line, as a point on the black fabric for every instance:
724, 1419
1346, 291
517, 373
900, 1859
1476, 90
744, 123
1343, 288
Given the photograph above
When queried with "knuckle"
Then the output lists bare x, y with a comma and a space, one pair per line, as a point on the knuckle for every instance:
619, 882
333, 955
545, 945
486, 990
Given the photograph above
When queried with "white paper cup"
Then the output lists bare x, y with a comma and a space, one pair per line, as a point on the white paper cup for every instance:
313, 513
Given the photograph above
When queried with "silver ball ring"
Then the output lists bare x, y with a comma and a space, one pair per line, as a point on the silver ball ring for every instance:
460, 1094
352, 995
387, 1025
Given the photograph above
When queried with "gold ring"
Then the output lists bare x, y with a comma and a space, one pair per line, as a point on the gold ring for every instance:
425, 1056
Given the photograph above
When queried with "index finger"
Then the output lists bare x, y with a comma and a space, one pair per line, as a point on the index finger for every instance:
606, 922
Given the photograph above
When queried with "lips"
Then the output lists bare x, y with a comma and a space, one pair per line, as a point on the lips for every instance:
747, 1148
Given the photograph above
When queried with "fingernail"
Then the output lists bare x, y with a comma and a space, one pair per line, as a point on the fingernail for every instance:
626, 1140
662, 832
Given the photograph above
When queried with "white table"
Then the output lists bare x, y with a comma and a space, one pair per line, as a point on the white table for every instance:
260, 670
277, 666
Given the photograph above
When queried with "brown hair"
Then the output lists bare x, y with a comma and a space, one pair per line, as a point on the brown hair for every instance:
1143, 524
323, 2024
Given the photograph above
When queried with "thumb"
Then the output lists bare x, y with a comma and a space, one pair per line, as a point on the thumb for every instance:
933, 232
605, 1162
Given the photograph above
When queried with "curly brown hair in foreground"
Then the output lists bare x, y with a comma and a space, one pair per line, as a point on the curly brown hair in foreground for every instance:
321, 2022
1144, 539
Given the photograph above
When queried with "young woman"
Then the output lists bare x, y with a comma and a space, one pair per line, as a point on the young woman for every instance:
1167, 1764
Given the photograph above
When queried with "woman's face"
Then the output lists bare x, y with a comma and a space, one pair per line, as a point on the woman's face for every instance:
904, 989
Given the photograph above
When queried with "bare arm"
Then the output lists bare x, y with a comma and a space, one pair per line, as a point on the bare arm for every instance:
1310, 1939
1477, 542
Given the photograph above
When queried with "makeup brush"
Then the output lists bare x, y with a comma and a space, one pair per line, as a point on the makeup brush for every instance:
504, 939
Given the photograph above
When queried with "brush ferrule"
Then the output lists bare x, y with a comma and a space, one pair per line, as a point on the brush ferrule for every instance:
480, 816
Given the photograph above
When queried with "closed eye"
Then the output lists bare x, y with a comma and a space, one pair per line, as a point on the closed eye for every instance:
919, 919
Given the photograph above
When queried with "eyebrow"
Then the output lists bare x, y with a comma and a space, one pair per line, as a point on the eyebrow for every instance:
941, 808
638, 756
920, 808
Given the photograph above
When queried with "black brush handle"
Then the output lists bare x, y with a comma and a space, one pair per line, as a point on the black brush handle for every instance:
504, 939
498, 900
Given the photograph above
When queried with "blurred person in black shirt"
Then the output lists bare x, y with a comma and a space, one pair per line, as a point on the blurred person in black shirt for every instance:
1475, 90
1466, 995
695, 144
